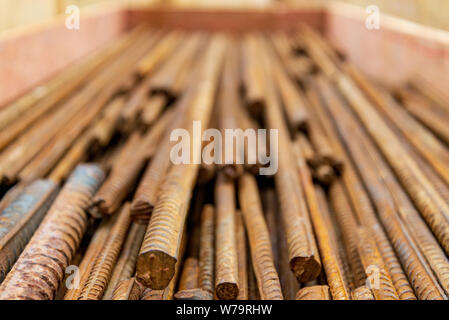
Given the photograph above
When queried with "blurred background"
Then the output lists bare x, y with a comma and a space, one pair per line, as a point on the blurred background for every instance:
15, 13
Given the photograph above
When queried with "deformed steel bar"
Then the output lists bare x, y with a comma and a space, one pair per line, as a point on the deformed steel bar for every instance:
314, 293
292, 98
347, 222
103, 264
20, 218
126, 262
207, 251
226, 261
228, 101
379, 280
362, 293
329, 255
302, 248
95, 246
242, 256
430, 148
54, 243
259, 239
359, 197
412, 261
147, 192
45, 97
128, 289
160, 249
422, 109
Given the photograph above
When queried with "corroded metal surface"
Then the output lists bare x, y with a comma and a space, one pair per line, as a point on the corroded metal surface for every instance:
103, 264
160, 250
314, 293
259, 239
226, 275
54, 243
19, 220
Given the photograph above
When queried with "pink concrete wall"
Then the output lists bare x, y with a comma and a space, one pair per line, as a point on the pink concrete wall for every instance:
32, 55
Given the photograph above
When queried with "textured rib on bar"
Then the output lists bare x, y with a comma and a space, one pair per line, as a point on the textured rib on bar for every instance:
160, 249
411, 259
226, 260
126, 262
41, 267
105, 261
329, 254
360, 200
85, 266
128, 289
314, 293
242, 248
20, 219
348, 224
259, 239
207, 251
302, 249
423, 194
380, 281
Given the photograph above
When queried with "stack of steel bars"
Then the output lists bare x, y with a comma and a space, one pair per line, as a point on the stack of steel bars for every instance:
96, 202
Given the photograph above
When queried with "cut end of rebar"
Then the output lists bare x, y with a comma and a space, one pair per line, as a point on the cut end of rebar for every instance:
155, 269
305, 268
227, 291
140, 208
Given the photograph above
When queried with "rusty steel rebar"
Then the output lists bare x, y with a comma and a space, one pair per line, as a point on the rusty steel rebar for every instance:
427, 89
379, 281
152, 109
329, 254
127, 167
147, 192
169, 292
289, 283
420, 190
228, 101
430, 148
126, 262
99, 133
252, 75
292, 98
54, 243
242, 257
423, 110
48, 129
163, 48
160, 249
166, 79
362, 293
226, 259
95, 246
302, 248
20, 218
207, 251
28, 109
361, 203
335, 233
128, 289
411, 259
103, 264
314, 293
259, 239
348, 224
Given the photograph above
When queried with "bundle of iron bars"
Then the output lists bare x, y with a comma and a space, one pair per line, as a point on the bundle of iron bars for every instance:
93, 207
